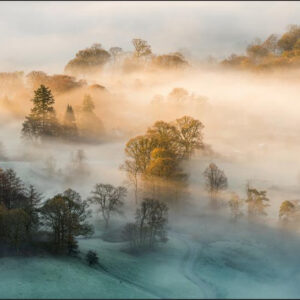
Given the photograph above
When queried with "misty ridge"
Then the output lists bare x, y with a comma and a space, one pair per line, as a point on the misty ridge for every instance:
125, 159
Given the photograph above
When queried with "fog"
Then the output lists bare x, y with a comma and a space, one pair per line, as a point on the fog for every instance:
251, 125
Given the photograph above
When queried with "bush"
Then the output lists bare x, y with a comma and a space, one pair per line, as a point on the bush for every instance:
92, 258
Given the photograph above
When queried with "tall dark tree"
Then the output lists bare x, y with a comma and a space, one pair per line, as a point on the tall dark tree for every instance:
41, 122
216, 181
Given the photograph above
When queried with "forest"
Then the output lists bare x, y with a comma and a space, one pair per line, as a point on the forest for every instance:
136, 174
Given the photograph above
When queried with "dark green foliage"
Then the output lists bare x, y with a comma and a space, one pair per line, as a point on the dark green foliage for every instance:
41, 122
19, 218
92, 258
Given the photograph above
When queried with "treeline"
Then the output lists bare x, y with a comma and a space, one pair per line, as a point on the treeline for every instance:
94, 58
253, 206
42, 122
29, 224
275, 52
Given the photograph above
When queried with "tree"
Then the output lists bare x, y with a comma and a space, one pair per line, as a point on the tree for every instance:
32, 208
92, 258
69, 126
215, 181
41, 122
150, 226
256, 202
287, 211
57, 83
189, 135
115, 52
109, 198
271, 43
257, 51
162, 164
12, 190
289, 39
132, 170
16, 223
178, 94
66, 219
156, 156
88, 60
91, 127
139, 150
142, 48
170, 61
235, 204
88, 104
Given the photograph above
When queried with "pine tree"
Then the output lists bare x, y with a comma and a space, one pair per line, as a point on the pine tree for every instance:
42, 121
70, 127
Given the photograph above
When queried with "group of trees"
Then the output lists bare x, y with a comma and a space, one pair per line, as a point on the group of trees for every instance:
42, 122
94, 58
149, 227
19, 219
24, 218
59, 83
27, 222
216, 182
275, 51
156, 157
178, 100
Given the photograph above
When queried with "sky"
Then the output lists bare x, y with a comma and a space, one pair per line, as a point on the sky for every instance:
45, 35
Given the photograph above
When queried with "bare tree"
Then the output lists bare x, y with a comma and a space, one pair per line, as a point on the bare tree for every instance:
150, 225
216, 181
109, 198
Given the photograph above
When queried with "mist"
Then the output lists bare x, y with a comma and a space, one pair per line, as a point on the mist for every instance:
250, 133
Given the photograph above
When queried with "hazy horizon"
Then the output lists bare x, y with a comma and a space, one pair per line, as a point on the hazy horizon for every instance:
46, 35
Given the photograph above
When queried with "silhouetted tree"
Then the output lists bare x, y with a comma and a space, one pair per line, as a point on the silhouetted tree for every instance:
109, 199
150, 225
69, 126
215, 181
41, 122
